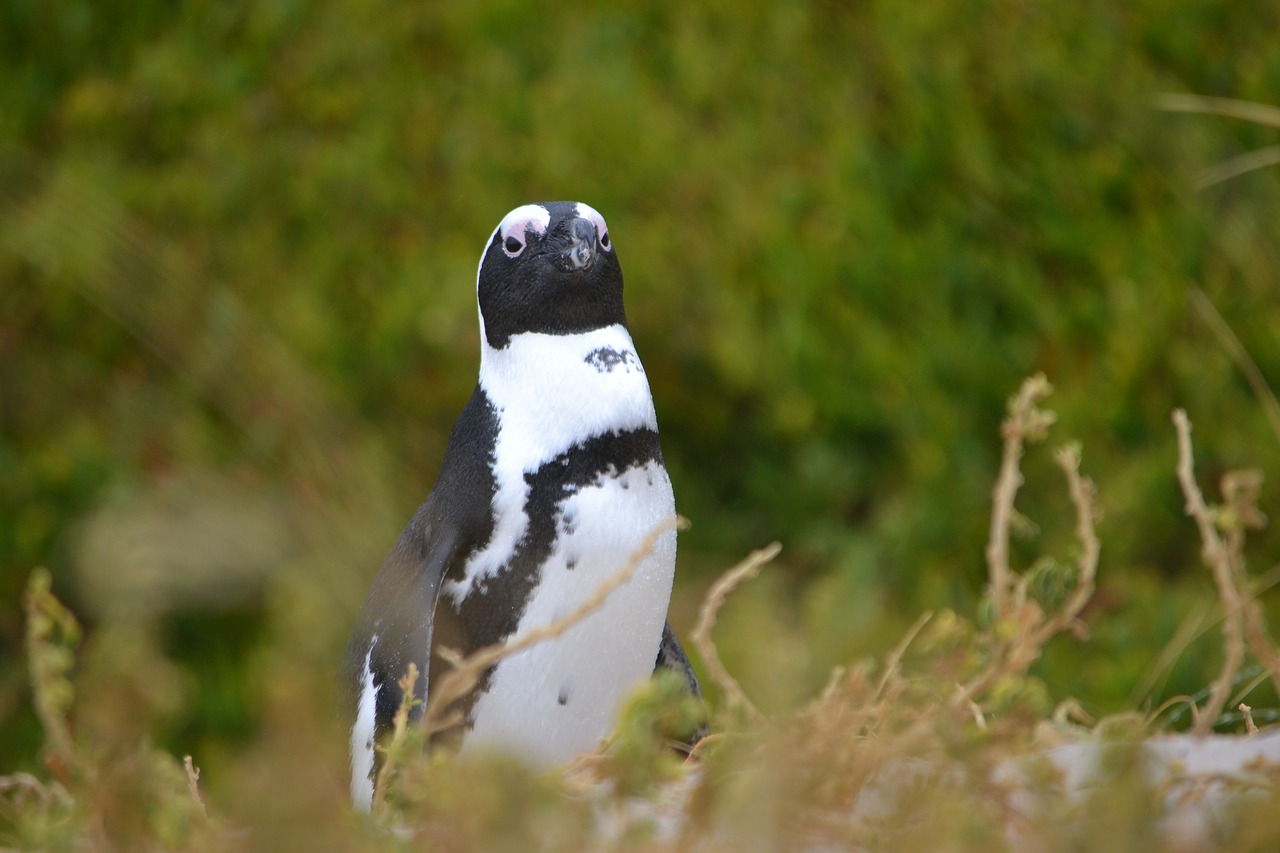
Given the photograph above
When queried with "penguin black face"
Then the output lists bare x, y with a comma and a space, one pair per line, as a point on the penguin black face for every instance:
550, 268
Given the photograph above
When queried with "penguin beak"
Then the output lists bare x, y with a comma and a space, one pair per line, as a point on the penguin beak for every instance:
582, 245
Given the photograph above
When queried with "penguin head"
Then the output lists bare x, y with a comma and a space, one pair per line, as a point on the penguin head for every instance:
551, 268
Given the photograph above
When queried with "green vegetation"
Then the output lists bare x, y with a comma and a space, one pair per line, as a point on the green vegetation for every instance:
237, 248
941, 744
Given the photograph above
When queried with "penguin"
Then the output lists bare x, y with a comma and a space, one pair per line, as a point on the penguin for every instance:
552, 478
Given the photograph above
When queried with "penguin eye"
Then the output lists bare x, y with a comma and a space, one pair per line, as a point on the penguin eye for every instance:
605, 242
517, 228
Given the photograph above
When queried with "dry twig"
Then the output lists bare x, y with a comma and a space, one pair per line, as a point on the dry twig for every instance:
1082, 497
1215, 553
1032, 627
1249, 725
193, 783
1242, 623
711, 605
1024, 423
1240, 491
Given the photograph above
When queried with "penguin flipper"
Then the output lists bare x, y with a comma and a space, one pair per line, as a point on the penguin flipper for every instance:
671, 657
395, 629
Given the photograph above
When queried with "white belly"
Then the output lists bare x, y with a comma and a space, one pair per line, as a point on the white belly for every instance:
560, 697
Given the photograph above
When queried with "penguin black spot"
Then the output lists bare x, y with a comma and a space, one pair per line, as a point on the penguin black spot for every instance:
569, 523
605, 359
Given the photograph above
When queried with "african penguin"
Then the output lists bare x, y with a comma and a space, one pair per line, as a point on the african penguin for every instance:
552, 478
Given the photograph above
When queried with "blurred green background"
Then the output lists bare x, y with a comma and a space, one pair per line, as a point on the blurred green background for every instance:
237, 257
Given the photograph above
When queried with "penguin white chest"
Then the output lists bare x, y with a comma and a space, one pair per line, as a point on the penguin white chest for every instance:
580, 486
561, 697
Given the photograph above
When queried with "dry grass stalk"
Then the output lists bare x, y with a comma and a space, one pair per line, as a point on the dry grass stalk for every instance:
1249, 161
193, 783
1083, 495
711, 605
833, 701
1215, 553
468, 671
1229, 107
1024, 423
1194, 625
1244, 687
1241, 164
1244, 362
893, 663
850, 703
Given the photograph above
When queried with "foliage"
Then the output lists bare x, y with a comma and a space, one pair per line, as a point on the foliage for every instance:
921, 749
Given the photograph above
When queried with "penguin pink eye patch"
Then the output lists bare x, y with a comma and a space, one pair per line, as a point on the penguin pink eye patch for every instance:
516, 224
